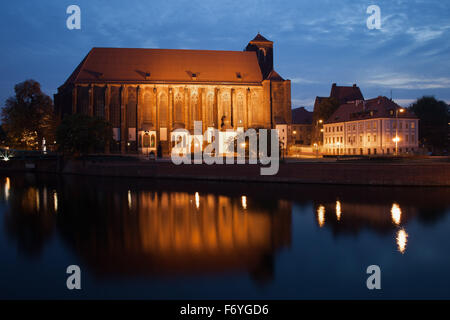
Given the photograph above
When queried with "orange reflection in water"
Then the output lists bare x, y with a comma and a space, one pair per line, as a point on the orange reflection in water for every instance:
321, 215
7, 188
338, 210
402, 240
244, 202
396, 214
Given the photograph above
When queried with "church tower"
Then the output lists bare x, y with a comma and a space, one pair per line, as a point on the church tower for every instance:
264, 51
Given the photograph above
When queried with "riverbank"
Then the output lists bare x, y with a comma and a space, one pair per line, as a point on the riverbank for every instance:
400, 173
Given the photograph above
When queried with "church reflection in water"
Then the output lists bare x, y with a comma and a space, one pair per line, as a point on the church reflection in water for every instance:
158, 228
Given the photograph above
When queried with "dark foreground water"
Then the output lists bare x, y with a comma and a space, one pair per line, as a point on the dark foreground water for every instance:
170, 239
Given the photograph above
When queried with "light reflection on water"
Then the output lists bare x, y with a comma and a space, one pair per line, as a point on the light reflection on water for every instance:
165, 229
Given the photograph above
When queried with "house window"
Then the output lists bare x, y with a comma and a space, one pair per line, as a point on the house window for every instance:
412, 125
374, 138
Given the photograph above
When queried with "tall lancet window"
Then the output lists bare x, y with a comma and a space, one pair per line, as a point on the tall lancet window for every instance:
148, 107
178, 110
195, 107
239, 110
163, 110
210, 109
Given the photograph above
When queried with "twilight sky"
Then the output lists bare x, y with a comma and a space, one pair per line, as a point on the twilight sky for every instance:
316, 42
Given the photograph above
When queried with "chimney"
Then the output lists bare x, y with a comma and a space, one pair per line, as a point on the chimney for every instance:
334, 85
354, 85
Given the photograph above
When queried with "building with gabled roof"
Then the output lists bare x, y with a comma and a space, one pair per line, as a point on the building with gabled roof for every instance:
376, 126
341, 94
146, 94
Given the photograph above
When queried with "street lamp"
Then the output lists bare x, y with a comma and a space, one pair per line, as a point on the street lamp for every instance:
397, 139
320, 121
338, 150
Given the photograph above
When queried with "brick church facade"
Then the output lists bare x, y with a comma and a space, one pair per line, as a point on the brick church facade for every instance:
146, 94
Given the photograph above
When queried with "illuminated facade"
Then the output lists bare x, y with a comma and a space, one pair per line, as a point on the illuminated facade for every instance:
148, 93
370, 127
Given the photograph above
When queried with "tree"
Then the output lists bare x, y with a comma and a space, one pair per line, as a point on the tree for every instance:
81, 134
323, 112
28, 116
433, 123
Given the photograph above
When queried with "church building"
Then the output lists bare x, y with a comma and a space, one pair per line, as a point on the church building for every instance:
146, 94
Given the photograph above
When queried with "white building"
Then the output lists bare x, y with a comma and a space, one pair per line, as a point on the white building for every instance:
370, 127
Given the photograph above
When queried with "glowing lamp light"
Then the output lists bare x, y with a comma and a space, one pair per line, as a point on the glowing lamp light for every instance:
295, 132
320, 121
396, 139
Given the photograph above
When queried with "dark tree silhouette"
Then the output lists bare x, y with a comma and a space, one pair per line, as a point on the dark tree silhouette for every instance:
80, 134
28, 116
433, 125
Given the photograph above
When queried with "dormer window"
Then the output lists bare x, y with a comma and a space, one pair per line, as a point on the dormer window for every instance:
239, 75
194, 76
147, 75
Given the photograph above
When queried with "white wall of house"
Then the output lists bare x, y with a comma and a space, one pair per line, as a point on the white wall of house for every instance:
371, 136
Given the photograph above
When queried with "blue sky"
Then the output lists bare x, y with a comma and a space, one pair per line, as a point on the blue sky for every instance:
316, 42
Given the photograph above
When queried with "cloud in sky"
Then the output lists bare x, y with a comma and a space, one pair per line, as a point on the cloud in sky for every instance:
316, 42
403, 81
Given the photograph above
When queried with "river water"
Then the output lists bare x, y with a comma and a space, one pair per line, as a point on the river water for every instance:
170, 239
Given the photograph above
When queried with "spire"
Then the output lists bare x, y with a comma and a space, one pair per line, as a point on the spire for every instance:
260, 38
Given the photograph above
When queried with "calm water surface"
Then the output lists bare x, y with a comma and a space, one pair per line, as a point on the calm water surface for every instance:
170, 239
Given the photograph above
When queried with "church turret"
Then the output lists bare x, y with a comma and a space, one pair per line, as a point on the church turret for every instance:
264, 51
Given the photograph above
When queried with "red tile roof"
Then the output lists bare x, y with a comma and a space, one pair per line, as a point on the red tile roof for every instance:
344, 94
380, 107
166, 65
273, 75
